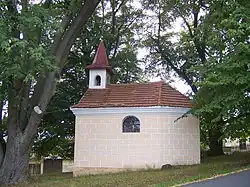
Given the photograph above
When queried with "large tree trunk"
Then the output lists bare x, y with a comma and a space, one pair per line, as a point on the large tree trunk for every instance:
2, 152
16, 162
23, 119
215, 142
2, 142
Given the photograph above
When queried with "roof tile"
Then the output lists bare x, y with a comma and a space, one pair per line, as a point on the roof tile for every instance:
134, 95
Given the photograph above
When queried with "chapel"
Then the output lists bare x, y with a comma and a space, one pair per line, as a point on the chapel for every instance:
131, 126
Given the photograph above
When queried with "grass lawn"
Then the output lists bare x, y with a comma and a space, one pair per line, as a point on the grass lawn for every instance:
210, 167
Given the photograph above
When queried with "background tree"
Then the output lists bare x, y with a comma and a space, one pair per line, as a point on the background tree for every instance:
226, 87
178, 52
35, 42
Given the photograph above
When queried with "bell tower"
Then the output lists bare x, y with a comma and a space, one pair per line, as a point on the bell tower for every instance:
99, 70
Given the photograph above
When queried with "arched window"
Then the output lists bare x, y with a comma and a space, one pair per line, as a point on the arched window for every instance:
131, 124
98, 80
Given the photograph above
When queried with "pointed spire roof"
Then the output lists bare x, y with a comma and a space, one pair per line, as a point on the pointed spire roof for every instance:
101, 60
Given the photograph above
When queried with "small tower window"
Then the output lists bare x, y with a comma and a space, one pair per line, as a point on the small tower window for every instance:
131, 124
98, 80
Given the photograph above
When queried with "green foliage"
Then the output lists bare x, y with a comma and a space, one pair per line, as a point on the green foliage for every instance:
35, 41
22, 54
117, 29
25, 41
56, 133
225, 88
210, 53
126, 66
176, 39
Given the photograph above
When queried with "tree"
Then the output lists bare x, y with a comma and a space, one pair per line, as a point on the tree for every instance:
33, 53
177, 51
56, 132
225, 87
180, 52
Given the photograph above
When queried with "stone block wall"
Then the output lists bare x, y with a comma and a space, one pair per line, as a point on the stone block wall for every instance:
101, 144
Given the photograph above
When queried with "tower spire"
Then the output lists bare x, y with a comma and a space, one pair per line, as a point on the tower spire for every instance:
101, 60
99, 70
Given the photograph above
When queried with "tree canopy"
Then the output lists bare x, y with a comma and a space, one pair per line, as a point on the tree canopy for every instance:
35, 42
45, 46
56, 132
225, 87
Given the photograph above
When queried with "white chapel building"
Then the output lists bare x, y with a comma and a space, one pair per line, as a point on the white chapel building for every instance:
131, 126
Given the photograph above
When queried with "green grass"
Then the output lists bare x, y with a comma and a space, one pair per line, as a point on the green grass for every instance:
177, 175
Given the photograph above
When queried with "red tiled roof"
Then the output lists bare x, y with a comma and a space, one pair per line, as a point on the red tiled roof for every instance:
101, 60
134, 95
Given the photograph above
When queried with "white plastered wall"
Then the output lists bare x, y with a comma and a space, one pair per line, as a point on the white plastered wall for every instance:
92, 77
100, 142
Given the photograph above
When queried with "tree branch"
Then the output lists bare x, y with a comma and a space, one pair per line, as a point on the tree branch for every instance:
24, 4
159, 24
2, 148
202, 4
24, 93
45, 86
119, 33
103, 13
112, 2
47, 3
200, 50
186, 23
12, 8
74, 30
195, 13
60, 32
120, 5
178, 71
